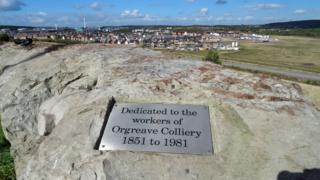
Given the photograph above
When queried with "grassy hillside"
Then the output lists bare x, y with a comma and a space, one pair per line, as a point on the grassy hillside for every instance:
313, 32
306, 24
6, 161
299, 53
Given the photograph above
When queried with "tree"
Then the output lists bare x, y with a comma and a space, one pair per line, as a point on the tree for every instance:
213, 56
4, 37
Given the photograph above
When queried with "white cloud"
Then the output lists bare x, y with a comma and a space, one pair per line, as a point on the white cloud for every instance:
264, 6
147, 17
132, 14
37, 18
95, 6
42, 14
230, 17
191, 1
247, 18
183, 18
11, 5
204, 11
300, 11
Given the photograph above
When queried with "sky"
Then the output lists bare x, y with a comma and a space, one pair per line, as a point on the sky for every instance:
154, 12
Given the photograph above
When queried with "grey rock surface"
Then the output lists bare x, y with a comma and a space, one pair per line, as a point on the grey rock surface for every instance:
53, 101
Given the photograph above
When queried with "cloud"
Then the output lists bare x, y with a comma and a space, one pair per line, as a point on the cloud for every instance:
264, 6
42, 14
11, 5
132, 14
247, 18
221, 1
191, 1
300, 11
231, 18
95, 6
37, 18
204, 11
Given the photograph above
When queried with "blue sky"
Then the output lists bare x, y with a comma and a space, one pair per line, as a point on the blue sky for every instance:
148, 12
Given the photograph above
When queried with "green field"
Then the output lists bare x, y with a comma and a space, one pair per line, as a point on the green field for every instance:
6, 161
301, 53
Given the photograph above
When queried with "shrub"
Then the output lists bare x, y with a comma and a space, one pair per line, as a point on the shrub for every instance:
4, 37
7, 171
213, 56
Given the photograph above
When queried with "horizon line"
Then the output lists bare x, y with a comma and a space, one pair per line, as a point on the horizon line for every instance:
175, 25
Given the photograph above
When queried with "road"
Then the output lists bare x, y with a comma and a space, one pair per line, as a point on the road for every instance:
303, 75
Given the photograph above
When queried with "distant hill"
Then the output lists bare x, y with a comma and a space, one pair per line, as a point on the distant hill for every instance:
307, 24
13, 27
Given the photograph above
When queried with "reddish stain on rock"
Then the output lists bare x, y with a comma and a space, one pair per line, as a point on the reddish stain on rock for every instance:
166, 81
203, 69
261, 86
276, 98
231, 80
233, 94
264, 76
244, 96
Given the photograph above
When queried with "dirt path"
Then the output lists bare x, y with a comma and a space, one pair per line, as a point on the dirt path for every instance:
303, 75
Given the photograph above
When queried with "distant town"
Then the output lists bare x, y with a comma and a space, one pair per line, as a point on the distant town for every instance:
151, 37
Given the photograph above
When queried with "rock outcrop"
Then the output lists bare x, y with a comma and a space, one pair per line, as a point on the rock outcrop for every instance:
53, 101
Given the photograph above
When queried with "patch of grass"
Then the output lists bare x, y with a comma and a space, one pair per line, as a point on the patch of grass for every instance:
312, 93
300, 53
7, 171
